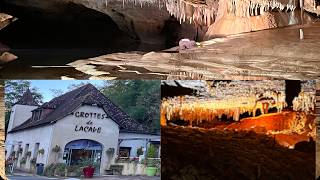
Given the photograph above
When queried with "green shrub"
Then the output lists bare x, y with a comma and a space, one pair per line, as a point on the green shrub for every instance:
28, 153
74, 170
41, 151
55, 169
33, 161
49, 170
56, 149
23, 160
60, 169
85, 162
151, 151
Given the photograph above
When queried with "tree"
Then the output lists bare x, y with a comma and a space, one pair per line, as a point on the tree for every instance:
59, 92
76, 85
56, 92
140, 99
14, 90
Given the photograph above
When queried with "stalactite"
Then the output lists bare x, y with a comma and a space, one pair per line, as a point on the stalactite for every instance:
227, 98
193, 109
200, 12
205, 13
304, 102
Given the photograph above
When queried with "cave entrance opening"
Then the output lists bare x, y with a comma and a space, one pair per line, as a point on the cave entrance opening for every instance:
58, 37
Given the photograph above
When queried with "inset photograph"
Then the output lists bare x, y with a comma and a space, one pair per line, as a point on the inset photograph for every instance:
160, 39
82, 129
238, 129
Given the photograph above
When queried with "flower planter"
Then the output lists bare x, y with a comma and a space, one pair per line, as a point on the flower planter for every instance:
88, 172
151, 171
140, 169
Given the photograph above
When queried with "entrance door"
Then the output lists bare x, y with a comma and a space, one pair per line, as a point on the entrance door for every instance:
80, 151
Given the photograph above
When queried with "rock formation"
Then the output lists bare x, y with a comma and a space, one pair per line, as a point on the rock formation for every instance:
7, 57
227, 98
144, 20
5, 20
199, 19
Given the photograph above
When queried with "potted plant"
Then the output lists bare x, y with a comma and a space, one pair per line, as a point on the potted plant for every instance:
28, 154
20, 150
23, 160
88, 171
56, 149
151, 166
33, 161
110, 151
139, 152
88, 168
13, 153
41, 151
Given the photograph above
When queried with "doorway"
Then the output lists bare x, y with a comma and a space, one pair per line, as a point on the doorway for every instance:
83, 150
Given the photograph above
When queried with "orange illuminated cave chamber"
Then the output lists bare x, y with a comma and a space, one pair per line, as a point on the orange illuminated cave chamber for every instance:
265, 113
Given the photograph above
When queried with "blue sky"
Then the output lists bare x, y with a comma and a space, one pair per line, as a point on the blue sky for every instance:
44, 86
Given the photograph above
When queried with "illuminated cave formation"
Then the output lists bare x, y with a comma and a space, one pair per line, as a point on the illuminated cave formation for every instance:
306, 98
228, 106
304, 102
226, 98
206, 11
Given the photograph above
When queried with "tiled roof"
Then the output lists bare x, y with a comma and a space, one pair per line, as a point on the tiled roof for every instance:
87, 94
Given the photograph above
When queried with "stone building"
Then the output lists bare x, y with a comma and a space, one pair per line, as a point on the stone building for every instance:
80, 124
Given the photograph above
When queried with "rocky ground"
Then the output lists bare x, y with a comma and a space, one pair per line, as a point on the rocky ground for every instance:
189, 153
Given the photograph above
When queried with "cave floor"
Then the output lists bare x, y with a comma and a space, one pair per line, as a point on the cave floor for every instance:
211, 154
268, 54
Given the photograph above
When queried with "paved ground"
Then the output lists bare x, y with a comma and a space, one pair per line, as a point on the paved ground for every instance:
30, 177
27, 178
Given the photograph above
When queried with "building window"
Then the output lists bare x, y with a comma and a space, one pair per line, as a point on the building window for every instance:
36, 149
26, 149
11, 150
124, 151
36, 115
18, 151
